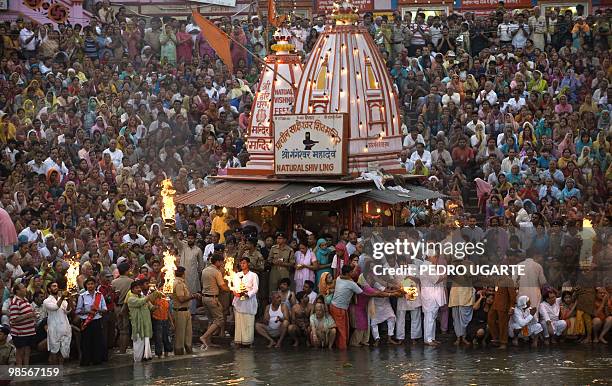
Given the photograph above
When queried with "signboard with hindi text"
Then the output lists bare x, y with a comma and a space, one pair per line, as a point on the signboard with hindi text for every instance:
310, 144
325, 7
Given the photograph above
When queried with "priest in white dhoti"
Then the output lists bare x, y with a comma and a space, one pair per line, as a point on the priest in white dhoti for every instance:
433, 296
245, 285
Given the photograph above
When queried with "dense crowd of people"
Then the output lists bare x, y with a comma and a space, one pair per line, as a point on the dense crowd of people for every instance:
93, 118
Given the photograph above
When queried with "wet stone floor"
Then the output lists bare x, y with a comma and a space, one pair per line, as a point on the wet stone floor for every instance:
447, 365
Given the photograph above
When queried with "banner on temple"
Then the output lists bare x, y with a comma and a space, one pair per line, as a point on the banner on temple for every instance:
327, 6
314, 144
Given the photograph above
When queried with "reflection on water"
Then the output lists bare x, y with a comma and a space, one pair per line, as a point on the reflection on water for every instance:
568, 365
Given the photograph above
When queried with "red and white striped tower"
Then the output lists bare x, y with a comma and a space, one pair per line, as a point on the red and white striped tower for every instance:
345, 73
274, 96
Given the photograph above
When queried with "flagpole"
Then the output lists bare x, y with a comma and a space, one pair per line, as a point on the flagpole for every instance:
257, 58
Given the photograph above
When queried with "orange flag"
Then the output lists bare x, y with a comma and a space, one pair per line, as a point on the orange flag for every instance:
273, 19
218, 40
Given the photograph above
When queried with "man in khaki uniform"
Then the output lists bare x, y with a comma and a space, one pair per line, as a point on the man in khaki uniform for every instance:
121, 286
181, 298
212, 284
281, 256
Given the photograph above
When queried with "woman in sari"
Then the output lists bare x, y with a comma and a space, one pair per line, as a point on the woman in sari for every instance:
494, 208
527, 134
585, 162
361, 310
184, 49
323, 255
566, 143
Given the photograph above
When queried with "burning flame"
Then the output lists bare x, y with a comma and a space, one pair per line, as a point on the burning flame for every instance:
457, 224
229, 271
411, 293
167, 212
168, 270
452, 207
410, 289
168, 209
586, 223
71, 276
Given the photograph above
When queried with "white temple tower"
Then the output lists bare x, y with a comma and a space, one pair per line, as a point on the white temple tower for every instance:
345, 73
275, 95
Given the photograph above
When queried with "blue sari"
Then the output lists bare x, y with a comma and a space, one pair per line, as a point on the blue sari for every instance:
323, 257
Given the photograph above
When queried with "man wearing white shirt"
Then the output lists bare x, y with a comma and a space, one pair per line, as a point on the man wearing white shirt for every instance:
509, 161
132, 237
115, 154
515, 103
441, 154
504, 30
411, 140
50, 249
471, 125
549, 316
246, 286
420, 154
33, 233
487, 94
28, 40
433, 296
520, 32
54, 162
210, 247
37, 165
412, 306
210, 89
320, 25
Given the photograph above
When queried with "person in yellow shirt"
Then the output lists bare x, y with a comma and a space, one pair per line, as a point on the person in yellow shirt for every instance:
219, 223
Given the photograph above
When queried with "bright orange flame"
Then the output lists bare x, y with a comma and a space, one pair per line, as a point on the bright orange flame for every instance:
411, 293
72, 274
586, 223
452, 206
229, 271
457, 224
168, 270
167, 192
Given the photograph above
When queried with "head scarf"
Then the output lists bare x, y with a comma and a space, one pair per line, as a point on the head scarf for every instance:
323, 286
321, 253
521, 302
118, 212
345, 257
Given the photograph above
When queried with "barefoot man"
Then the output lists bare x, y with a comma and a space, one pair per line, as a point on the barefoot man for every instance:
275, 322
212, 283
322, 328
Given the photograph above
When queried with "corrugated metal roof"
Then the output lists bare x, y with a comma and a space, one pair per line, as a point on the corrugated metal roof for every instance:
286, 195
232, 194
415, 193
335, 195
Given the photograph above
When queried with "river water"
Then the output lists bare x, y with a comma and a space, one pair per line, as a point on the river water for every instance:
558, 365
